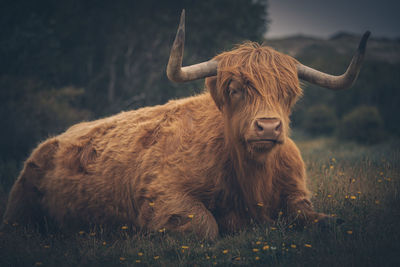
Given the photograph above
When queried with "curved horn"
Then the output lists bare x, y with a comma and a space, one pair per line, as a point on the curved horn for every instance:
332, 82
175, 72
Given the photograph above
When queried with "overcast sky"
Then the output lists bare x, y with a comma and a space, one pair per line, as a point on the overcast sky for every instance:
325, 17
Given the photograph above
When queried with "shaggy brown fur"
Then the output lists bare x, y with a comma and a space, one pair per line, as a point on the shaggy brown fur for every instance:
155, 166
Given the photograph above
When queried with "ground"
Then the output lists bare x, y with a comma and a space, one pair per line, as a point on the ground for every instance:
359, 184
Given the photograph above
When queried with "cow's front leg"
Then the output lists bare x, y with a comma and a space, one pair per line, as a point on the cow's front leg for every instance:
291, 183
299, 207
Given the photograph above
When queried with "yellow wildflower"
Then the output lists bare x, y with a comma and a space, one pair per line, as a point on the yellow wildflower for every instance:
346, 196
260, 204
162, 230
185, 247
237, 258
81, 232
353, 197
140, 254
331, 167
104, 243
122, 258
138, 261
280, 213
156, 257
273, 228
191, 216
350, 232
316, 220
293, 246
225, 251
207, 257
307, 245
266, 247
379, 180
329, 195
256, 250
257, 258
124, 227
151, 204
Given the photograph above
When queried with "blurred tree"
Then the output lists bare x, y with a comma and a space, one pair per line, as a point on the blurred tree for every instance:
363, 124
321, 119
118, 50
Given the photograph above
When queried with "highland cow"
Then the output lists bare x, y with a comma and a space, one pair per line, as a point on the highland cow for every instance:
213, 162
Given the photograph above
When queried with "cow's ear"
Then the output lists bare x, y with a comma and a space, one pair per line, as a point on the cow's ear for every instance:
217, 95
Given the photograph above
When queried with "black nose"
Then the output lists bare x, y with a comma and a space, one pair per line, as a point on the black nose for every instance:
268, 128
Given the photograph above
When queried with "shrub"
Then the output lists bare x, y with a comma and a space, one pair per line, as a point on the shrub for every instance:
320, 119
364, 125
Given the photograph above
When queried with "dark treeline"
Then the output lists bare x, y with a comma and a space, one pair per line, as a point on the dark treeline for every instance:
67, 61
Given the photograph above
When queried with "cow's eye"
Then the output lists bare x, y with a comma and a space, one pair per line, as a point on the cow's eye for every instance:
233, 92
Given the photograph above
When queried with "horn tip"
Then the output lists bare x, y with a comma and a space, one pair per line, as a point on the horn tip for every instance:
182, 20
180, 34
363, 43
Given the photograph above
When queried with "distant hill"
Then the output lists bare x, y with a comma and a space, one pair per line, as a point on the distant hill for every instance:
380, 49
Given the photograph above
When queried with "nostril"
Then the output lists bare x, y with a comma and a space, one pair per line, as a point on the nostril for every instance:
259, 127
279, 127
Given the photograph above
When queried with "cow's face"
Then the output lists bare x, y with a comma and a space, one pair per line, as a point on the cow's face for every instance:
255, 89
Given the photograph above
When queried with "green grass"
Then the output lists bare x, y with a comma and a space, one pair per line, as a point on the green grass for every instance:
359, 184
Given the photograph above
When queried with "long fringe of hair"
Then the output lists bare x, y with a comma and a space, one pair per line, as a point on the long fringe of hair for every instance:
270, 78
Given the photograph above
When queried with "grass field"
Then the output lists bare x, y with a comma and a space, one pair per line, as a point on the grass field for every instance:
356, 183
